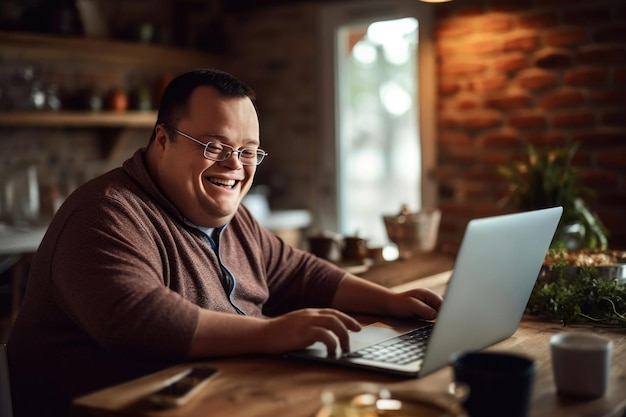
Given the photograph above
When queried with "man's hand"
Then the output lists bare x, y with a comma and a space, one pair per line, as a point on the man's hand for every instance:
301, 328
357, 295
227, 334
420, 302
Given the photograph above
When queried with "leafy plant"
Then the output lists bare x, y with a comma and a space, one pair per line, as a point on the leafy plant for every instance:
587, 298
548, 180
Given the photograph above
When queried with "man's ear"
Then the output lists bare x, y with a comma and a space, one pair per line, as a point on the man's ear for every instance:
160, 138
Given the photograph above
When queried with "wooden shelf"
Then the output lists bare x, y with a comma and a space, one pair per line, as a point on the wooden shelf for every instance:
20, 46
130, 119
68, 55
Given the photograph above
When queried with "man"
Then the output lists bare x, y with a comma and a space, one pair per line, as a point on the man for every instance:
157, 262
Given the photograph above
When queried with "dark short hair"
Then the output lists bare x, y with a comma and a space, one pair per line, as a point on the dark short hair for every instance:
175, 100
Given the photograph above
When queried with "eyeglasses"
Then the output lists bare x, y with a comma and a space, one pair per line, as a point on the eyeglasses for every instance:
216, 151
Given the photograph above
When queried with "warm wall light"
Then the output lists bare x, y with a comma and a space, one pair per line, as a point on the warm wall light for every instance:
435, 1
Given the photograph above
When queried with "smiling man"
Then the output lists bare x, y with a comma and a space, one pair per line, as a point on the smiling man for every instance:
157, 263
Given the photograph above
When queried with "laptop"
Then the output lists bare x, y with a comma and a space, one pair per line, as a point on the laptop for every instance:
493, 276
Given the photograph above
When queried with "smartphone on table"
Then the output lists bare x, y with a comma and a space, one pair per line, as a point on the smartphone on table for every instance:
182, 387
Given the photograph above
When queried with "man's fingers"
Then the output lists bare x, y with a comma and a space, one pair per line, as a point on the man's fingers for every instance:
337, 326
424, 310
348, 321
426, 302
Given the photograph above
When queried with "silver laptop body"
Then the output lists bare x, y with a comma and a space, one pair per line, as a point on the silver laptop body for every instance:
494, 274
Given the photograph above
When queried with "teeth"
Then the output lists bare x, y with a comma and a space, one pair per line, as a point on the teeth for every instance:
219, 181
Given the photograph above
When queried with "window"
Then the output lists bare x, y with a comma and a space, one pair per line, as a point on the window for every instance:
378, 144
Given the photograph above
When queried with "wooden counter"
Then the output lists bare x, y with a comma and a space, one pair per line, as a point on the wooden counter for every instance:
272, 386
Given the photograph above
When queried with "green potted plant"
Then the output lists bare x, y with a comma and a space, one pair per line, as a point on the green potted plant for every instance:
547, 180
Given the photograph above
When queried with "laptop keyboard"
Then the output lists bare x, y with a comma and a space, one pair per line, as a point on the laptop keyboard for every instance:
400, 350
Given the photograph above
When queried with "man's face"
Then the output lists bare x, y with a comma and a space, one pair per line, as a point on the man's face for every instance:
207, 192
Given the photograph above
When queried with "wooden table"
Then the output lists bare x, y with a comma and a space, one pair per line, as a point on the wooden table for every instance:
270, 386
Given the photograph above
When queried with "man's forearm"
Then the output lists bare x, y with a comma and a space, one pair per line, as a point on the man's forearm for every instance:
226, 334
356, 295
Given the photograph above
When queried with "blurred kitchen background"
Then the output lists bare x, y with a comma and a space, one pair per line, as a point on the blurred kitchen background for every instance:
365, 106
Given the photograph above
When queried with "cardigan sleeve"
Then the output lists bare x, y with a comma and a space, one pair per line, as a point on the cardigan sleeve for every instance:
295, 278
113, 286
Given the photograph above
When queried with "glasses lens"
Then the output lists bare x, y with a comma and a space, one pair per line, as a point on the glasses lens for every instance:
217, 152
249, 157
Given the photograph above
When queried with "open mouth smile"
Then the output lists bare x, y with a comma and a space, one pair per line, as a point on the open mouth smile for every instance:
221, 182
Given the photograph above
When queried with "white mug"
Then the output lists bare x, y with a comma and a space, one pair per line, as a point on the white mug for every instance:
581, 363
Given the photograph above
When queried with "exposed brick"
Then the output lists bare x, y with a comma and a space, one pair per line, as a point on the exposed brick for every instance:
562, 98
598, 179
549, 138
536, 79
614, 117
607, 97
587, 15
568, 36
510, 62
495, 158
537, 20
602, 54
447, 88
527, 120
454, 139
579, 118
509, 101
586, 76
496, 24
445, 191
616, 199
613, 159
456, 211
486, 210
445, 172
458, 155
453, 30
612, 33
447, 121
444, 49
481, 120
524, 42
466, 103
493, 83
500, 138
482, 47
582, 158
619, 75
471, 190
551, 58
481, 173
601, 137
462, 68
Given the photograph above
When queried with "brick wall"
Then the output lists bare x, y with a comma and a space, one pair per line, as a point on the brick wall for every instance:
510, 72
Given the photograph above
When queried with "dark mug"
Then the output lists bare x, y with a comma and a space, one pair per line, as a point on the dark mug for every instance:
500, 384
354, 249
323, 246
